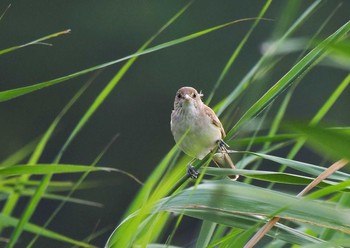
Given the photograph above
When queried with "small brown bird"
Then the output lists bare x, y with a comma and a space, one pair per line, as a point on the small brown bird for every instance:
199, 128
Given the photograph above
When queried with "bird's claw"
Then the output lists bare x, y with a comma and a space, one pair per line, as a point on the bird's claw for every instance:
222, 146
192, 172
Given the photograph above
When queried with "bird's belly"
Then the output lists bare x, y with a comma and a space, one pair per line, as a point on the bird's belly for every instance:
201, 138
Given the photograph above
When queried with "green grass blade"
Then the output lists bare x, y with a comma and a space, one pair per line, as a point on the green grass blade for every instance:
42, 144
10, 94
226, 239
42, 169
35, 42
19, 155
226, 201
161, 246
74, 187
14, 197
342, 47
331, 100
10, 221
319, 116
271, 176
246, 81
238, 50
344, 202
149, 193
28, 212
3, 13
329, 190
238, 198
301, 166
285, 18
263, 139
247, 222
52, 196
205, 234
56, 185
325, 141
115, 80
278, 118
287, 80
281, 112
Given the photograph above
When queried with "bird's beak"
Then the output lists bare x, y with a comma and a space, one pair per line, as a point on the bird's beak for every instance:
187, 97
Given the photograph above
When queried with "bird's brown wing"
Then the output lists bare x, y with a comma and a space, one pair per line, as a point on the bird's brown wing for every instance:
227, 159
215, 120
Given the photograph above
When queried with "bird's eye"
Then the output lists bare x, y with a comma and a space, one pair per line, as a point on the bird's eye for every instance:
194, 95
179, 95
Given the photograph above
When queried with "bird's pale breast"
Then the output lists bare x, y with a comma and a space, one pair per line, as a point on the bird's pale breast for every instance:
202, 134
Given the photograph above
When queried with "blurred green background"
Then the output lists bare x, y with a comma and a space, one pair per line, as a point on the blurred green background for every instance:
139, 108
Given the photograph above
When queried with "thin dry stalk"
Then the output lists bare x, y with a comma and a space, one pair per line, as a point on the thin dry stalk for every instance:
261, 233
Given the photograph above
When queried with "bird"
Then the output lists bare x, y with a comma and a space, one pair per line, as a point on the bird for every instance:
197, 130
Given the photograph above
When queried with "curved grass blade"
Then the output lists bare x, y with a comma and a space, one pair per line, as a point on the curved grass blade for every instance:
10, 221
331, 100
35, 42
325, 140
52, 196
42, 169
246, 81
329, 190
74, 187
238, 50
263, 230
280, 231
3, 13
20, 154
319, 116
234, 198
205, 234
301, 166
216, 205
270, 176
42, 144
296, 71
10, 94
263, 139
152, 191
13, 199
161, 246
95, 234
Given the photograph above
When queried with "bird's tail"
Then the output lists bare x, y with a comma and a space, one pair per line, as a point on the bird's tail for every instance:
223, 160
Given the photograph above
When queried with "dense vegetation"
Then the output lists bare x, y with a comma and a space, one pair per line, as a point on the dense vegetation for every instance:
272, 197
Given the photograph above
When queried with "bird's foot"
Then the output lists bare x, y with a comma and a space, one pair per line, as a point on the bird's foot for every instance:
222, 146
192, 172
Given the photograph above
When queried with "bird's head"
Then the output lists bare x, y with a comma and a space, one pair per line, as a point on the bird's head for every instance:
187, 97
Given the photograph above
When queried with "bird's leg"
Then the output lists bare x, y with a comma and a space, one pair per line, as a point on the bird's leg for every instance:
222, 146
225, 158
191, 171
